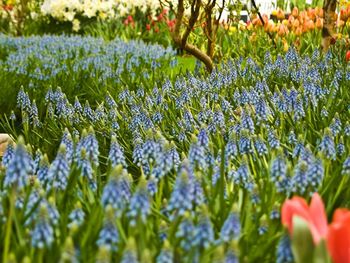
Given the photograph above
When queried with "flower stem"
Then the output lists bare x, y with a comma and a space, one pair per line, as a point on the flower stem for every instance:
8, 227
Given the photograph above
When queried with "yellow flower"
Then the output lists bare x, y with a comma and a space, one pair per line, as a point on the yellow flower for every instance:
233, 29
76, 25
285, 46
274, 12
102, 15
242, 25
10, 2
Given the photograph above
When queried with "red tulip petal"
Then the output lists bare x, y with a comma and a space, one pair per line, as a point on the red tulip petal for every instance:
340, 215
319, 217
338, 240
295, 206
301, 201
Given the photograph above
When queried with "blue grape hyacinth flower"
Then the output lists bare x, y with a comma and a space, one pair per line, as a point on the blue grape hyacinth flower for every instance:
43, 233
231, 228
59, 170
19, 168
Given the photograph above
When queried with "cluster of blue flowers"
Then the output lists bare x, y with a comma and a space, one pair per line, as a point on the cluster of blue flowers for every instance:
186, 167
75, 62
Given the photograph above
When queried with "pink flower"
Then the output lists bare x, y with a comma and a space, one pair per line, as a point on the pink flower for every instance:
314, 215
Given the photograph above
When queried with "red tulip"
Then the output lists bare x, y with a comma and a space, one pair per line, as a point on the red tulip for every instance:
314, 215
347, 56
344, 15
338, 241
7, 7
160, 17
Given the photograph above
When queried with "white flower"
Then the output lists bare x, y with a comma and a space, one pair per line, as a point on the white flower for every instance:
33, 15
66, 10
69, 16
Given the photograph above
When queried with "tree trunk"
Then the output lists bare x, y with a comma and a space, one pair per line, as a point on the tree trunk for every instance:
181, 39
196, 52
329, 7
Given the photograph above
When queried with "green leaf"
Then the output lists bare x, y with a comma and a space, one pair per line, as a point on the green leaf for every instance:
321, 254
302, 242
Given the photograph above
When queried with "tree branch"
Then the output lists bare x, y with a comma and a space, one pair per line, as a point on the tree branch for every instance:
181, 40
195, 7
193, 50
179, 16
329, 7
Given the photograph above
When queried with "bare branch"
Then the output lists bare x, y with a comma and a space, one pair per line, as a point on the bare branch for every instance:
200, 55
221, 10
166, 3
195, 8
179, 16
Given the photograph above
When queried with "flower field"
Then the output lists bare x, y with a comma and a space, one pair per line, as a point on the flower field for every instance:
127, 151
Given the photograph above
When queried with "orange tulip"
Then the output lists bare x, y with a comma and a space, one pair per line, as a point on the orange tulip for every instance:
319, 23
280, 14
303, 15
295, 12
296, 23
269, 26
282, 30
290, 21
298, 31
314, 215
319, 11
311, 13
257, 22
310, 25
265, 19
338, 241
